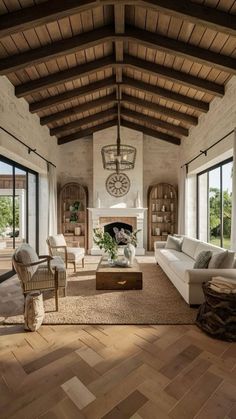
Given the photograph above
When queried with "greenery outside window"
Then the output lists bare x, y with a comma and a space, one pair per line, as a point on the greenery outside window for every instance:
214, 204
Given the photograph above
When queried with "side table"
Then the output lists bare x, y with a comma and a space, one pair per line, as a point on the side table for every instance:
217, 315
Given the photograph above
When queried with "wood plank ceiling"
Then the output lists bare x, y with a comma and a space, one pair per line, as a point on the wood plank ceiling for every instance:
66, 57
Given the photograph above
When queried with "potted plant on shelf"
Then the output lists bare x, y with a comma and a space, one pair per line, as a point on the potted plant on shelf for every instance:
107, 243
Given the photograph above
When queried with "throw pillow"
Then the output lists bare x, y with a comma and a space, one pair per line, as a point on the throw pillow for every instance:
217, 260
203, 260
174, 243
228, 262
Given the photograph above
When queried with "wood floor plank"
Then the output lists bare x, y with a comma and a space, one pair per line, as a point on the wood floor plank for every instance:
193, 400
137, 372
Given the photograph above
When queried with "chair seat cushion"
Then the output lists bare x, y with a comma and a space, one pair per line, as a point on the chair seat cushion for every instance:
75, 253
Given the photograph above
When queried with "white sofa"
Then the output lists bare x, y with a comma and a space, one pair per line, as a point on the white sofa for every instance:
178, 266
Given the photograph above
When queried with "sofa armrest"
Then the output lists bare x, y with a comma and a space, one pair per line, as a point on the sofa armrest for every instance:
204, 275
159, 244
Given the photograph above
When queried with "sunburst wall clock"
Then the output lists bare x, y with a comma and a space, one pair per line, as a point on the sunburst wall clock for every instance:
118, 184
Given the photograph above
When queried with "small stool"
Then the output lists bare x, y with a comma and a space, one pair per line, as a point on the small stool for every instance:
217, 315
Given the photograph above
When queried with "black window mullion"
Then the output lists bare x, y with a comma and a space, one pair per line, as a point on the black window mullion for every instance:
208, 209
14, 207
221, 208
27, 207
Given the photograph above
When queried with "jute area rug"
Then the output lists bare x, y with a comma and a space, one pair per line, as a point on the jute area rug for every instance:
158, 303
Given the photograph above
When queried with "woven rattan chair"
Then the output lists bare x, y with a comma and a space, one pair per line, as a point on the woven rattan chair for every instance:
39, 273
57, 247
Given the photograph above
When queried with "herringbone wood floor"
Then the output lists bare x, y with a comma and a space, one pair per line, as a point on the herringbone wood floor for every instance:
116, 372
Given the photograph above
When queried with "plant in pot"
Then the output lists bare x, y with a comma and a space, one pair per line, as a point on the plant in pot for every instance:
128, 238
107, 243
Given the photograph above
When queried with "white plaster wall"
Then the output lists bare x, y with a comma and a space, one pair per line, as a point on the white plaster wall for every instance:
16, 118
106, 137
75, 164
219, 121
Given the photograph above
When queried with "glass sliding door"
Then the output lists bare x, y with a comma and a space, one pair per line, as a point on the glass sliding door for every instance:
214, 192
18, 211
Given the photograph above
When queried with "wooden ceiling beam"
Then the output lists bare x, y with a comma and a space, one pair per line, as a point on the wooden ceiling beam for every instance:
174, 75
159, 92
69, 95
56, 49
151, 132
119, 20
108, 62
83, 121
158, 123
196, 13
71, 74
107, 33
182, 49
85, 107
86, 132
163, 110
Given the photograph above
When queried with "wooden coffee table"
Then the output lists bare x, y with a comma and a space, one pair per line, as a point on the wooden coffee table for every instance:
118, 278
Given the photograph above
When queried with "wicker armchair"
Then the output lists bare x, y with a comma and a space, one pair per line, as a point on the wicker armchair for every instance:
39, 273
57, 247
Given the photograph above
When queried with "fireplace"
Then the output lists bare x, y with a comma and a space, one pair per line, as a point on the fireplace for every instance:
107, 218
109, 228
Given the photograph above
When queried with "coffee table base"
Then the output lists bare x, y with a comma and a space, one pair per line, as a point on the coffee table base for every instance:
117, 278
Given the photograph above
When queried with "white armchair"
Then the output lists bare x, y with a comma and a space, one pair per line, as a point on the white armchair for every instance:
57, 247
39, 273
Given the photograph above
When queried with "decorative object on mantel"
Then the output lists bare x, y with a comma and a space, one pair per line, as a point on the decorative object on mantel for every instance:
138, 200
107, 243
118, 184
98, 201
118, 157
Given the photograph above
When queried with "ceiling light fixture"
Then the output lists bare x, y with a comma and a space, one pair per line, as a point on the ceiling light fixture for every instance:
118, 157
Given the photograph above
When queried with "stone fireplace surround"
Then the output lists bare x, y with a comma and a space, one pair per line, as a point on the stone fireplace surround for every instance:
133, 216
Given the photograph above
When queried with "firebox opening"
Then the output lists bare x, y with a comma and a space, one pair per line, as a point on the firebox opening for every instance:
109, 228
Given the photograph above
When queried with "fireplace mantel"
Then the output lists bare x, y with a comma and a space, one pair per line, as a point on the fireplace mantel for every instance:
119, 213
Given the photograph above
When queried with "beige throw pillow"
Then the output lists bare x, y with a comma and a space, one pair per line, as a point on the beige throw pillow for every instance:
228, 262
217, 260
174, 243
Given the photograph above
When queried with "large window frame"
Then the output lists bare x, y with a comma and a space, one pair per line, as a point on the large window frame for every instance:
28, 171
207, 171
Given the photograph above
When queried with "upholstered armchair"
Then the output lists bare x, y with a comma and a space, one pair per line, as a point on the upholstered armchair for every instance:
39, 273
57, 247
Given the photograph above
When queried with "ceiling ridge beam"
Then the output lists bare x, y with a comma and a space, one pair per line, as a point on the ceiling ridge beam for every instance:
151, 132
169, 95
72, 94
196, 13
174, 75
119, 20
61, 77
163, 110
154, 121
86, 132
83, 121
88, 106
173, 46
56, 49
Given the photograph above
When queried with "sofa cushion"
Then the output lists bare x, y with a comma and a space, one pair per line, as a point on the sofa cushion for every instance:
203, 260
174, 243
189, 246
170, 255
180, 268
206, 247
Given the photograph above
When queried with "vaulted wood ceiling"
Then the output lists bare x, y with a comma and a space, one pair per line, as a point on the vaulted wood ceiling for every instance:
66, 57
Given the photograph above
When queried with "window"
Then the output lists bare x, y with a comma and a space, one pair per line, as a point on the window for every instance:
18, 211
214, 197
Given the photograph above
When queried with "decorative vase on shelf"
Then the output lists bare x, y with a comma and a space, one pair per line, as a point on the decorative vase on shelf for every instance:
129, 252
